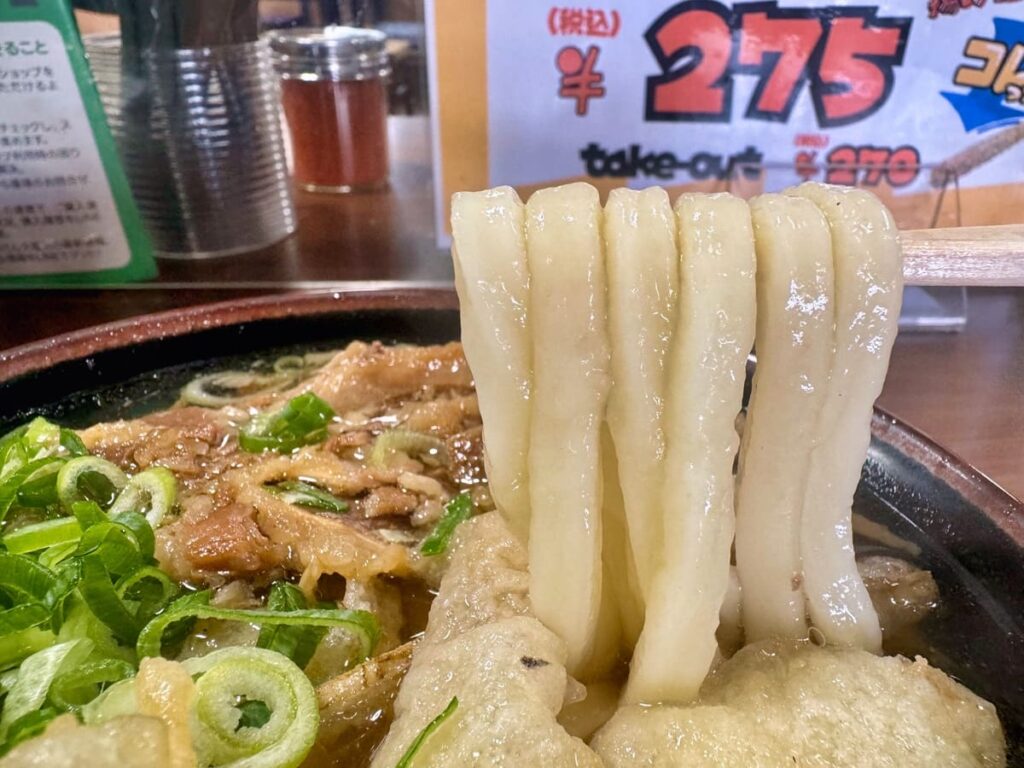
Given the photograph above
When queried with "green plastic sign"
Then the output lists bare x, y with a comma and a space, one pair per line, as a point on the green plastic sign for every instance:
66, 211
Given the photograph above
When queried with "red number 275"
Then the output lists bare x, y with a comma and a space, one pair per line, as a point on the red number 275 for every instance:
845, 54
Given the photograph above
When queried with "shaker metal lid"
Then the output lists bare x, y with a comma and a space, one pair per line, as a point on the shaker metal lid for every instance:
335, 52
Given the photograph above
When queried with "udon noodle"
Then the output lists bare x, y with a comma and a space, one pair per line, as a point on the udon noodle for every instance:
612, 346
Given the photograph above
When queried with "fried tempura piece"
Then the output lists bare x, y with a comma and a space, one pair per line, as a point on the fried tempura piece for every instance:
786, 703
124, 742
505, 667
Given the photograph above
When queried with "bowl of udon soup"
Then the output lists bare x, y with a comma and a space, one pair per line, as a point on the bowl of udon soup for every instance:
561, 516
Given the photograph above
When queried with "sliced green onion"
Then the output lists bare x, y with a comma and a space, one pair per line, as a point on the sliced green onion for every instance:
426, 733
17, 646
22, 617
72, 443
151, 493
76, 687
66, 578
233, 675
88, 513
115, 701
429, 449
215, 390
50, 533
120, 548
24, 579
302, 421
40, 490
115, 545
35, 677
9, 444
12, 482
104, 601
80, 623
33, 588
57, 554
141, 530
307, 495
362, 624
459, 509
298, 643
150, 589
42, 438
290, 364
89, 478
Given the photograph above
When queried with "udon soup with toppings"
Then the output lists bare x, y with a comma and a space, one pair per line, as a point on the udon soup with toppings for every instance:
568, 540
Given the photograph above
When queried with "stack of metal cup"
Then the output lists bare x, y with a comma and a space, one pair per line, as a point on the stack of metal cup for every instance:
192, 101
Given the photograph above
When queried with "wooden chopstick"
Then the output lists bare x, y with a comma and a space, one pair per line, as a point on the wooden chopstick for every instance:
980, 256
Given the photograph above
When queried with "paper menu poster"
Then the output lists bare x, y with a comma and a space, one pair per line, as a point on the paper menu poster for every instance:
919, 100
66, 212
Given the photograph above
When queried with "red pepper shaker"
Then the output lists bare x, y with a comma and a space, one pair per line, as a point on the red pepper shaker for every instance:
333, 89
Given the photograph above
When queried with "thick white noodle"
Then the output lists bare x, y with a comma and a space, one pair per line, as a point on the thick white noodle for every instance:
643, 272
568, 324
491, 275
707, 366
868, 292
795, 317
619, 568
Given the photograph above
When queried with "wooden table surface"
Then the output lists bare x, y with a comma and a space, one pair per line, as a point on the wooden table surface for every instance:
965, 390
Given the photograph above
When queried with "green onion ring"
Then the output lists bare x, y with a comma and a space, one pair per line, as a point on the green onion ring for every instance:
233, 674
215, 390
73, 470
130, 587
151, 493
428, 447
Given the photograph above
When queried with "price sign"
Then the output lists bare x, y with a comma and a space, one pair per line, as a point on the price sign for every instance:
902, 96
843, 57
